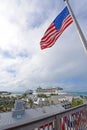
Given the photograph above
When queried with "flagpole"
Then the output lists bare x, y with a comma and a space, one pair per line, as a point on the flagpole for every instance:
81, 35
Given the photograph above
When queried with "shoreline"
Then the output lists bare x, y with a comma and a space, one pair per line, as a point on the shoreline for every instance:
78, 93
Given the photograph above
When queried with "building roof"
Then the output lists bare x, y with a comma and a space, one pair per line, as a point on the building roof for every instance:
6, 119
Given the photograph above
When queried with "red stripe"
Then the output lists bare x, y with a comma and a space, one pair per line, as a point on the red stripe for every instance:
46, 125
50, 123
41, 127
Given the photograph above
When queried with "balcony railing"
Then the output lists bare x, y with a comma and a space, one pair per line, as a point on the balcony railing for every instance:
71, 119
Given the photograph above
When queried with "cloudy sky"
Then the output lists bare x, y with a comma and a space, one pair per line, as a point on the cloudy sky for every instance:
23, 65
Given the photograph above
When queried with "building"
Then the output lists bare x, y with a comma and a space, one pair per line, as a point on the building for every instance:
49, 91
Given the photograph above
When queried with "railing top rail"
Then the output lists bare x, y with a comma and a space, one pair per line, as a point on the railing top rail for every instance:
74, 109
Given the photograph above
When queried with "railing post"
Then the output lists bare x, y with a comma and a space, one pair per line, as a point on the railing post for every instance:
58, 123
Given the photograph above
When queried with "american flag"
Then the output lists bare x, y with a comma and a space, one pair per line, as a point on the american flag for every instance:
62, 21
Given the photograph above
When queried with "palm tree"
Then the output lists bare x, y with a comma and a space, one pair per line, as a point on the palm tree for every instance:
30, 102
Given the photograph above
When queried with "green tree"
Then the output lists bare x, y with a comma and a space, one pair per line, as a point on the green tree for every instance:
42, 96
76, 102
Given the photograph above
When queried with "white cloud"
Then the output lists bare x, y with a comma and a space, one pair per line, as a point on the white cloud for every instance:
22, 63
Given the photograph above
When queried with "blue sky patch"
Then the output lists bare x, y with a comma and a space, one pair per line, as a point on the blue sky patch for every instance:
6, 54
